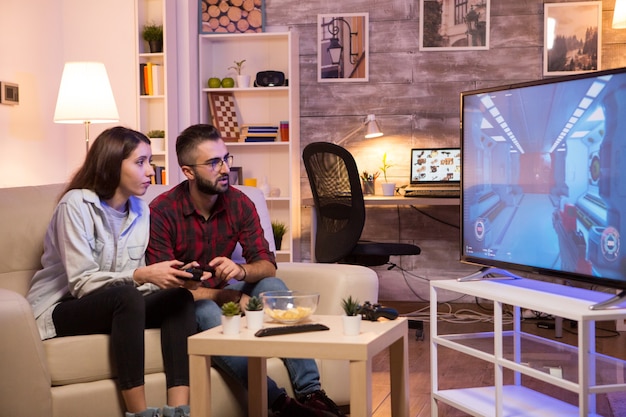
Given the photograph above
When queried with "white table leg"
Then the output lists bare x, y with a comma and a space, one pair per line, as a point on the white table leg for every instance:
360, 388
200, 385
399, 370
257, 387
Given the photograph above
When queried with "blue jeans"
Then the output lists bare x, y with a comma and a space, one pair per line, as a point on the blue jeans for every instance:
303, 373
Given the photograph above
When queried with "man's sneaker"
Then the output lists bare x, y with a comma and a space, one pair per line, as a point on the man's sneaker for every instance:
320, 401
286, 406
180, 411
148, 412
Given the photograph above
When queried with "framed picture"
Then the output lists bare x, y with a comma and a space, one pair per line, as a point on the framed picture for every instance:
572, 36
235, 176
231, 16
454, 25
342, 47
224, 115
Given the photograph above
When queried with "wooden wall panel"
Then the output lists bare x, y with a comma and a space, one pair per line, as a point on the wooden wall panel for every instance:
414, 94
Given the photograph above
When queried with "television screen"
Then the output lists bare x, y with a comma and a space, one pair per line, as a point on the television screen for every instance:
543, 177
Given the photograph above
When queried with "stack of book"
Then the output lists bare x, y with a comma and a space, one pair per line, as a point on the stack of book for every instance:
259, 133
151, 80
159, 175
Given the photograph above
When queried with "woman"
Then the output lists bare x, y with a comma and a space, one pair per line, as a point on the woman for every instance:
94, 278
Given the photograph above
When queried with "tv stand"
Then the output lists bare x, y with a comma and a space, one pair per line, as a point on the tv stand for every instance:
613, 302
484, 273
518, 357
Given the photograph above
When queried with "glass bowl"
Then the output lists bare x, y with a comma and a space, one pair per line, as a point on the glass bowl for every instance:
289, 306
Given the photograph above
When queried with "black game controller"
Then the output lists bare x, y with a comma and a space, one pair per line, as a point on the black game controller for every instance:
196, 272
373, 312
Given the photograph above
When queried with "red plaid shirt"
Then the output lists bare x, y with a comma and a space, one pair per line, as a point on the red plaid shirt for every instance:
178, 231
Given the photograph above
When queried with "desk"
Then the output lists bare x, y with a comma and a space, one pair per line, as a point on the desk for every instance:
379, 200
331, 344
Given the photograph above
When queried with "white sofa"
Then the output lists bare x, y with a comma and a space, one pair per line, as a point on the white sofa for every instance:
72, 376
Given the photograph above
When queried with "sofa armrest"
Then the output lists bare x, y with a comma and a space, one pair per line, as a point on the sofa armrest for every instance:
333, 281
25, 385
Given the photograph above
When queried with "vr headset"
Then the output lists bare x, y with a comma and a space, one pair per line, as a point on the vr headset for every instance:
270, 79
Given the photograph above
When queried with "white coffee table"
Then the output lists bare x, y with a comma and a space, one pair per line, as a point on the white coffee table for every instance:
331, 344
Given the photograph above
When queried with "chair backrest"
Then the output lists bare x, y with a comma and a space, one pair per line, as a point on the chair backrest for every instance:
338, 198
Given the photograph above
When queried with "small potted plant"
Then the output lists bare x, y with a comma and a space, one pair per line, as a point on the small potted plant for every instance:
243, 81
157, 140
279, 229
153, 34
254, 313
388, 187
231, 318
352, 319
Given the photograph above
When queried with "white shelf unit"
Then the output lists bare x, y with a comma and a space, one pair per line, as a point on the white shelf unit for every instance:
524, 354
158, 112
277, 162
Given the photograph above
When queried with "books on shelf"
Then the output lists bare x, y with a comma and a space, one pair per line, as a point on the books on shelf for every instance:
259, 133
151, 79
159, 175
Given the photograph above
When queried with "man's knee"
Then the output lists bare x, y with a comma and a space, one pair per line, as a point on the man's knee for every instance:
207, 314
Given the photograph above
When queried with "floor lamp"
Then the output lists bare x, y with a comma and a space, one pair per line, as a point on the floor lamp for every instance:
85, 96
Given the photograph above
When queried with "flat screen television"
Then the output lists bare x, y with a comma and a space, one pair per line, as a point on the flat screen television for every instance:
544, 178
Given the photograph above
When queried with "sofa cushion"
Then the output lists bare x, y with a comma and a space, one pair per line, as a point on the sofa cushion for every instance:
87, 358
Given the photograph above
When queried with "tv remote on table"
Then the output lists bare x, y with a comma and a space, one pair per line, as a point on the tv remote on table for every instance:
294, 328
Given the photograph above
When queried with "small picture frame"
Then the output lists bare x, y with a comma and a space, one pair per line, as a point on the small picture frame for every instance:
573, 37
235, 176
343, 47
454, 25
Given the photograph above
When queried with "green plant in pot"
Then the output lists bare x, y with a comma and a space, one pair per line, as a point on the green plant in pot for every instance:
388, 187
153, 34
352, 320
231, 309
254, 313
351, 306
156, 134
279, 229
254, 304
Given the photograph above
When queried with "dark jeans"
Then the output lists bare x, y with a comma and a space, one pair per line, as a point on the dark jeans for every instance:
123, 313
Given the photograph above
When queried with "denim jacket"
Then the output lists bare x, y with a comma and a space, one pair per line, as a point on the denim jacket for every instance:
79, 252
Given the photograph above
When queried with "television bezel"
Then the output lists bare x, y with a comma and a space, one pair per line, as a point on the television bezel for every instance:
508, 269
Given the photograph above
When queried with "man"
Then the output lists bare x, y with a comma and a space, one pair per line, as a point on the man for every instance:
201, 220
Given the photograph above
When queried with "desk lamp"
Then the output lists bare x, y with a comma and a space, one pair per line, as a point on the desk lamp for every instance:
372, 129
85, 96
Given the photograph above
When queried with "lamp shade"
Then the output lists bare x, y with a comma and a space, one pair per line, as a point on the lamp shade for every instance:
372, 128
619, 15
85, 95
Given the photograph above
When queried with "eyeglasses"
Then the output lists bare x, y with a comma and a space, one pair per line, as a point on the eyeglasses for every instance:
216, 163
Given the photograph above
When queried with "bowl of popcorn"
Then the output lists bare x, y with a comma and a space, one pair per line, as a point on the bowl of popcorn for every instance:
289, 306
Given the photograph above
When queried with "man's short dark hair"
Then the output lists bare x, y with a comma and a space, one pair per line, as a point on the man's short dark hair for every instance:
190, 138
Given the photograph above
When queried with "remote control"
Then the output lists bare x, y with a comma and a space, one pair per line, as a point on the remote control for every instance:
295, 328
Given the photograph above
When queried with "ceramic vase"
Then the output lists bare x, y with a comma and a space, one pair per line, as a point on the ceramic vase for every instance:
231, 325
389, 188
243, 81
254, 319
351, 325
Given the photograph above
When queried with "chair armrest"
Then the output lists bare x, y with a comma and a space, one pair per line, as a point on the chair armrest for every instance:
333, 281
25, 386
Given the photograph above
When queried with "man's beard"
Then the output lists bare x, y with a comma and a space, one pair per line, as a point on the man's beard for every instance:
211, 188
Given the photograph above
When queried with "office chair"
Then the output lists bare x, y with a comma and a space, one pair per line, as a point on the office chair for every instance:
340, 210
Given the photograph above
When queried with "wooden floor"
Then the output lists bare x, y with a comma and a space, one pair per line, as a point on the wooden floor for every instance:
458, 368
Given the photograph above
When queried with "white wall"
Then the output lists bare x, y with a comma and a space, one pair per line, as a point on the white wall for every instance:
36, 38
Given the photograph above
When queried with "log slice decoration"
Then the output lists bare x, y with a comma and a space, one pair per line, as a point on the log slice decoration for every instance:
232, 16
